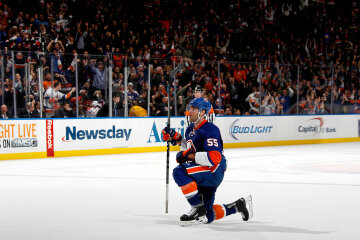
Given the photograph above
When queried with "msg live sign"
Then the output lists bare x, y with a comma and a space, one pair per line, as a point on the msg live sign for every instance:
15, 135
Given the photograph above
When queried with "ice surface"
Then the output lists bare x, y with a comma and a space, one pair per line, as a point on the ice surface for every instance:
299, 192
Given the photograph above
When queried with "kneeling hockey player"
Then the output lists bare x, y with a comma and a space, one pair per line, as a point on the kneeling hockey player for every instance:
201, 168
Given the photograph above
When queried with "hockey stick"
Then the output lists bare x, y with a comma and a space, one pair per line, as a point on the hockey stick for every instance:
172, 76
167, 154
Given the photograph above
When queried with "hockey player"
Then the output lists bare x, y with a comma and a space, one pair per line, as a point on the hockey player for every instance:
201, 168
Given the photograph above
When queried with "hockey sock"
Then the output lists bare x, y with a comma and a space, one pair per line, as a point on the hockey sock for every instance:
230, 211
191, 193
221, 211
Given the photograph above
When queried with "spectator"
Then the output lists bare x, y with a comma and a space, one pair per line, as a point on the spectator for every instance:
86, 88
95, 107
267, 105
285, 99
279, 108
142, 99
98, 75
117, 108
132, 94
184, 95
228, 111
234, 93
56, 57
80, 37
4, 112
187, 46
53, 95
253, 101
47, 81
29, 111
198, 80
65, 112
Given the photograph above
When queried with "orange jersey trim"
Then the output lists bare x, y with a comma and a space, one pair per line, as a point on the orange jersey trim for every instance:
215, 157
189, 188
197, 169
202, 123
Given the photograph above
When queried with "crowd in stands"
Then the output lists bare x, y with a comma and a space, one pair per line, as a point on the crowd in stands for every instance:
248, 57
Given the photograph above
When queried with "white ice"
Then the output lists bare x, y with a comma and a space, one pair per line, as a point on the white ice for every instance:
299, 192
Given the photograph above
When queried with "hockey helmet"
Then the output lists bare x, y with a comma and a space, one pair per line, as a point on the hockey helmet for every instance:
198, 88
201, 104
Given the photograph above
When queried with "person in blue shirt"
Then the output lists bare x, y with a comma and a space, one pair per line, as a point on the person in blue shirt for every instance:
201, 168
285, 99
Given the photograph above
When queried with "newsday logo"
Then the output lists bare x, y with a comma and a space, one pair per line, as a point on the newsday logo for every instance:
72, 134
237, 129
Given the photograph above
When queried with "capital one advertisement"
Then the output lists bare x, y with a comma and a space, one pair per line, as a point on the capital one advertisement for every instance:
325, 127
316, 127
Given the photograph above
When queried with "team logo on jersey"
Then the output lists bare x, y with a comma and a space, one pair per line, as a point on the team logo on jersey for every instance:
192, 133
19, 55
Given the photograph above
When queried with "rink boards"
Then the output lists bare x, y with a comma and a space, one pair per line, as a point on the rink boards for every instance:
31, 138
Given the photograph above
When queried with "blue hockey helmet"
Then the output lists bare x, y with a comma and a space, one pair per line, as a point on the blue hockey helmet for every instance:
201, 104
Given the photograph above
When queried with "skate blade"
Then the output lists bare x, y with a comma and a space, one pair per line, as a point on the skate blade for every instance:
200, 220
249, 206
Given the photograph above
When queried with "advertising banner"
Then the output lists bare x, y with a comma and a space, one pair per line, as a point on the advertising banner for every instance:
19, 136
247, 129
80, 134
49, 138
90, 136
304, 127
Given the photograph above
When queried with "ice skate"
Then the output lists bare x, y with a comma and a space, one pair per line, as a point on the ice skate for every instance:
196, 215
244, 207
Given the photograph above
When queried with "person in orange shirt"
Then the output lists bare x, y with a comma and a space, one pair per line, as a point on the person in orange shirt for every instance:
47, 81
240, 73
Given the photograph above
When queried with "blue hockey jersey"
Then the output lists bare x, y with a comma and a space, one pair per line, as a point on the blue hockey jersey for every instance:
207, 142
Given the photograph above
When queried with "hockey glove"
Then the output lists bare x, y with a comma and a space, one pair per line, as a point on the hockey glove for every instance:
166, 137
171, 133
183, 156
